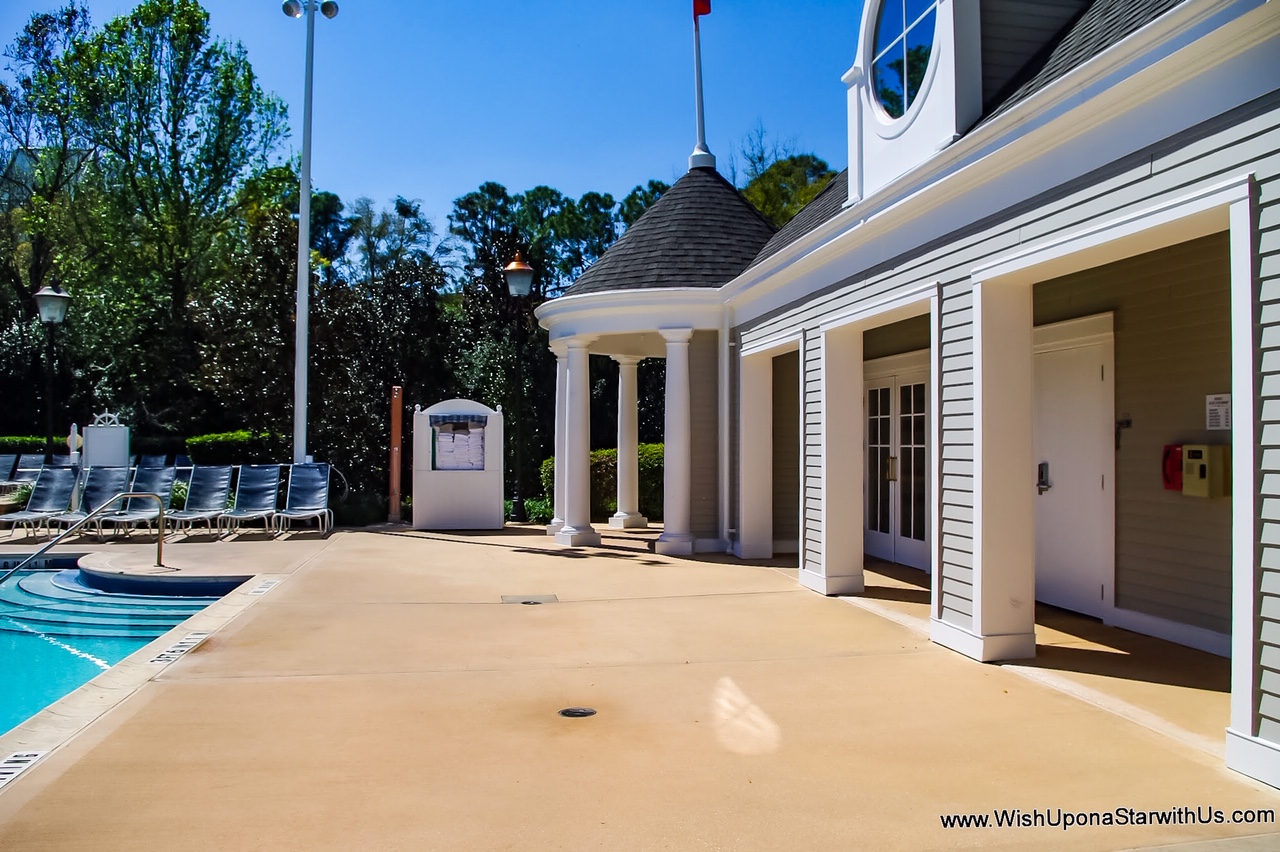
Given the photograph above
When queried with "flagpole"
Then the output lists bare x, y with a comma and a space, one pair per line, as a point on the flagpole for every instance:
701, 157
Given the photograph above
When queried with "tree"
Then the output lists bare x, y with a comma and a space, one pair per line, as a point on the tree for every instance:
181, 124
776, 179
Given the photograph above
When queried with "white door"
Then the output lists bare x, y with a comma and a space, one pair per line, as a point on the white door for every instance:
1075, 453
897, 485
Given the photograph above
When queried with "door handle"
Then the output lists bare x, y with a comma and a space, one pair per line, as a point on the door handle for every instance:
891, 469
1042, 478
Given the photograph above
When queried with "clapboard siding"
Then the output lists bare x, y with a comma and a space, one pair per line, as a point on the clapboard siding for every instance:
814, 508
704, 420
1241, 141
786, 447
1269, 429
1171, 311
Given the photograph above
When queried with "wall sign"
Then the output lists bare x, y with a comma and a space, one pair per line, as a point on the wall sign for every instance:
1217, 411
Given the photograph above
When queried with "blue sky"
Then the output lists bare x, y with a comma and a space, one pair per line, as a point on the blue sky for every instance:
428, 99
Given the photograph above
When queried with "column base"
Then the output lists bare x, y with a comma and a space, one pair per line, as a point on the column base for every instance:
555, 526
577, 536
674, 544
628, 520
984, 649
849, 584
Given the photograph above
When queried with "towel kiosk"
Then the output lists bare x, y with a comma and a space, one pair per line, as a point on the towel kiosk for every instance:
457, 466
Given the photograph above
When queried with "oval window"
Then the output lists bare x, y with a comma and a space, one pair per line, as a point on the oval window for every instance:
903, 45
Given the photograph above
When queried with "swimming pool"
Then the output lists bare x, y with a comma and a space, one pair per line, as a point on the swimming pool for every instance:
57, 634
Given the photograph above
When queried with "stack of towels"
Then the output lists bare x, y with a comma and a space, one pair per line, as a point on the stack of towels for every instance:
459, 447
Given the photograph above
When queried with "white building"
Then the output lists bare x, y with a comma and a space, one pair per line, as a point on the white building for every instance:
1055, 254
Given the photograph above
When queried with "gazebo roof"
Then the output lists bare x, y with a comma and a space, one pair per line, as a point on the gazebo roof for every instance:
700, 233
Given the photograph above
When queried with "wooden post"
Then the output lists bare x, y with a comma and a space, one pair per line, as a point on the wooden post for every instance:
397, 410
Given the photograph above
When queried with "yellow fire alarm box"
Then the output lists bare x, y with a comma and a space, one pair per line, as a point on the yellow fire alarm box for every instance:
1203, 470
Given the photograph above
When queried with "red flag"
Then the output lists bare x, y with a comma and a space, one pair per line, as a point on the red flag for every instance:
701, 7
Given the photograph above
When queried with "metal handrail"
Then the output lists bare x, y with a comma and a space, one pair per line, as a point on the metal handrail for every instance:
127, 495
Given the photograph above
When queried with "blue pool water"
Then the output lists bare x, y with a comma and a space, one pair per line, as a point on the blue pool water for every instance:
57, 634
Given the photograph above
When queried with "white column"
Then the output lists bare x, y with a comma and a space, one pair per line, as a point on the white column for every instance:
755, 457
577, 528
677, 539
628, 514
562, 409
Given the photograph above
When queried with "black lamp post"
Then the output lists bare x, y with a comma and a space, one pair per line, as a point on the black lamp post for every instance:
519, 277
52, 304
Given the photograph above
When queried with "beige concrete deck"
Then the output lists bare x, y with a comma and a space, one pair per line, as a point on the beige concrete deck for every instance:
383, 697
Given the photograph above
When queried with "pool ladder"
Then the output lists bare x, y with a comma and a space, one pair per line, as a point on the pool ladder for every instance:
128, 495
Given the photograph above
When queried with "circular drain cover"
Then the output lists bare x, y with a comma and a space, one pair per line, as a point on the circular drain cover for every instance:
577, 712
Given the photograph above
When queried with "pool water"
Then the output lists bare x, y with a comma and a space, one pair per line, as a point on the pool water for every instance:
57, 634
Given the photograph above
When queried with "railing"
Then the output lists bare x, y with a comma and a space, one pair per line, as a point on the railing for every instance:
128, 495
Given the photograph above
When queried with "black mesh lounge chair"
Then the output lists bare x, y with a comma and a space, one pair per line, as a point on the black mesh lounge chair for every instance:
50, 495
207, 494
8, 462
307, 497
257, 492
100, 485
160, 460
146, 480
29, 465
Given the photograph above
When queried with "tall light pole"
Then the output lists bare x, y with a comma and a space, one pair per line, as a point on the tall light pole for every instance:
295, 9
52, 304
519, 277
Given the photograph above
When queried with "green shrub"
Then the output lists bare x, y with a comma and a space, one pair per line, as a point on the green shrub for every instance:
604, 481
20, 495
31, 444
239, 447
539, 510
178, 497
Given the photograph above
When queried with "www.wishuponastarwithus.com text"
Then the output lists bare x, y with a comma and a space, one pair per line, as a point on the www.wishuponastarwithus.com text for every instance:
1064, 818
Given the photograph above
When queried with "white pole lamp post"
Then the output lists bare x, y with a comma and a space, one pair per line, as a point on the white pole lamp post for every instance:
294, 9
52, 304
519, 277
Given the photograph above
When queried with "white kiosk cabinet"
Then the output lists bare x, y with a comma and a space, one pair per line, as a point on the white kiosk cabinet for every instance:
457, 466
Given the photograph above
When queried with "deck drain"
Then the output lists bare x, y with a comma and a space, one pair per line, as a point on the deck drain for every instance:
264, 587
15, 764
173, 652
577, 712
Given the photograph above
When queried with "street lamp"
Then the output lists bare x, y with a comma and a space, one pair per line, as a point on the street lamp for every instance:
519, 277
294, 9
52, 303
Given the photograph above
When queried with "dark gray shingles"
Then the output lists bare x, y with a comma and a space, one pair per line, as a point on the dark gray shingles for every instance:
824, 206
700, 233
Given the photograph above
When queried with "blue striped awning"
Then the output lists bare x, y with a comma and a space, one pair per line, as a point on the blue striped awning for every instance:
437, 419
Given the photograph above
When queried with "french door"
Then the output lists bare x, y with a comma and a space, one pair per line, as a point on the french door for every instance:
896, 494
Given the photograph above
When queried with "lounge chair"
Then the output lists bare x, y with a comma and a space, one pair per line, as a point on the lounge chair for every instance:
307, 497
8, 462
159, 460
100, 485
207, 493
146, 480
257, 493
50, 495
28, 468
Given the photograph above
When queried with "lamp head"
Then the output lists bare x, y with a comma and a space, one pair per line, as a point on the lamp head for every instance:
292, 8
329, 9
519, 276
52, 305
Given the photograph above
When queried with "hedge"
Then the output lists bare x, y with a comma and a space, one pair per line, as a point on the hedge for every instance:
31, 444
604, 481
239, 447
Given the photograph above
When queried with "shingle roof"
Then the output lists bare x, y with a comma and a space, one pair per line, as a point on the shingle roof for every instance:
1101, 26
700, 233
